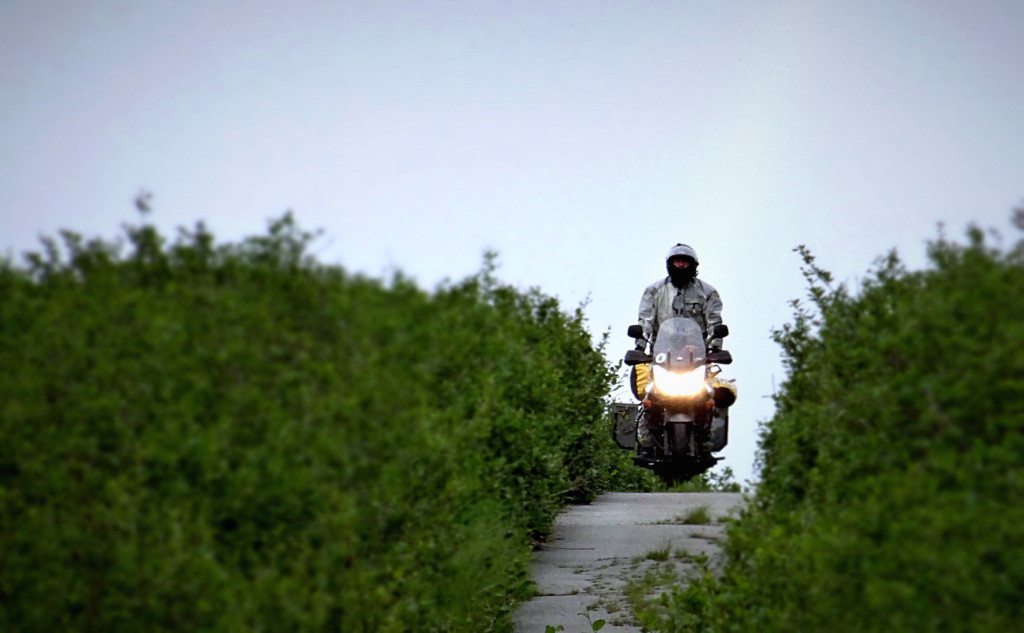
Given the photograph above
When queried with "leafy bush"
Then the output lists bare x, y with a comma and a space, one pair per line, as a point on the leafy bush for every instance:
235, 437
891, 471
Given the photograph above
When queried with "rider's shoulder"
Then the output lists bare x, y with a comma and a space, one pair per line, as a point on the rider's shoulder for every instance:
657, 286
704, 287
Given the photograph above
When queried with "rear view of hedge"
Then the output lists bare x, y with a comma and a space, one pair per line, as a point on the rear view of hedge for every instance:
203, 436
893, 470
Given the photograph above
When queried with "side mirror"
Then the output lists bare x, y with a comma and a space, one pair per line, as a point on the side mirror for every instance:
722, 357
720, 331
636, 357
635, 331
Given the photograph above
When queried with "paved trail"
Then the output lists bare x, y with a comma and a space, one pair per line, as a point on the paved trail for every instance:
594, 551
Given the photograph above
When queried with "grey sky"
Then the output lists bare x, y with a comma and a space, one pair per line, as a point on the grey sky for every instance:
579, 139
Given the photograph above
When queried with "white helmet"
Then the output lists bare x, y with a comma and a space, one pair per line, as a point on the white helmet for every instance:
682, 250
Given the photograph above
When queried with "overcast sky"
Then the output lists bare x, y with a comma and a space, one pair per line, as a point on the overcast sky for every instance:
578, 139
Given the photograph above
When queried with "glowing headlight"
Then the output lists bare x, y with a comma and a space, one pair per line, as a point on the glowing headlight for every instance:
688, 383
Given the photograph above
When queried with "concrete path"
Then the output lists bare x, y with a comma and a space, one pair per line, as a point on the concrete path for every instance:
596, 550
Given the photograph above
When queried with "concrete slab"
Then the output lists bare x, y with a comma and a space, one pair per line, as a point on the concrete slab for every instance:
594, 551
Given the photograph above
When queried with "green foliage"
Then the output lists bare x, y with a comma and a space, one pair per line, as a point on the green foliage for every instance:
659, 554
697, 516
891, 472
203, 436
646, 594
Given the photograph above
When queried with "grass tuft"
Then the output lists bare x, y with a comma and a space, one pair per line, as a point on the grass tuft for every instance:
700, 515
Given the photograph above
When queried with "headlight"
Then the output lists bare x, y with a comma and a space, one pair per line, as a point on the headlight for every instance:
687, 383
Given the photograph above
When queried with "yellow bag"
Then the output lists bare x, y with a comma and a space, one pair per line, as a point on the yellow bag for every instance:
638, 379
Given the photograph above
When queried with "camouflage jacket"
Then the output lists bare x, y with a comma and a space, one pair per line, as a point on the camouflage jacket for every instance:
661, 300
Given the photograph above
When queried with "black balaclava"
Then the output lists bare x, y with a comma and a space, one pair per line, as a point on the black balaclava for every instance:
682, 276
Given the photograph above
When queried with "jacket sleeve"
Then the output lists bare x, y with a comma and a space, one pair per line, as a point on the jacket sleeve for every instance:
713, 315
647, 314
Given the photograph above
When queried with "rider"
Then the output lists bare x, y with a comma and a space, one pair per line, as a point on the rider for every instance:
678, 294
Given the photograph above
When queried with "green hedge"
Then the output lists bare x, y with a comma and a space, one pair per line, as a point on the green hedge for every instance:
203, 436
892, 472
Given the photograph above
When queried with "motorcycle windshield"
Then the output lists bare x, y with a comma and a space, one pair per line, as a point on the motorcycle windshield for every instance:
680, 343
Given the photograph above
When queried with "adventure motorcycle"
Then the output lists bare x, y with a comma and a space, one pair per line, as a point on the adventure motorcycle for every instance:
685, 403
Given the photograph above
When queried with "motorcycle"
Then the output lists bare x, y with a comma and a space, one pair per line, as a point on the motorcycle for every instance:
685, 403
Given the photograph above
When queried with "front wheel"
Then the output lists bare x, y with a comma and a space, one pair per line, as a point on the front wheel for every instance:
678, 440
675, 472
682, 470
668, 475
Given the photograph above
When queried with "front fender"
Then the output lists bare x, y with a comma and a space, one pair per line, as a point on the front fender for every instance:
679, 417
